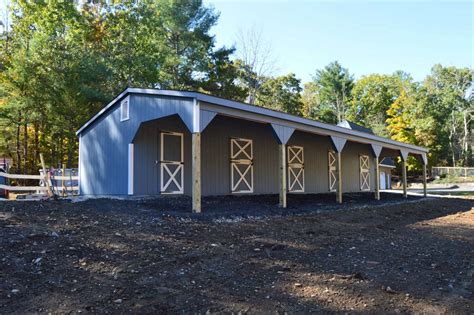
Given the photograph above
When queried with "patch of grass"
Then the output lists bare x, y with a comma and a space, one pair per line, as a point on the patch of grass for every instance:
453, 193
450, 179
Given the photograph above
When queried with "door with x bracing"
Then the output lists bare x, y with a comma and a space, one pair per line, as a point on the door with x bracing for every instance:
295, 169
171, 163
241, 165
364, 172
332, 168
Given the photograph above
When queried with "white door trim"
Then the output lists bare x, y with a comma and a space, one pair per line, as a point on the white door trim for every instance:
241, 154
176, 176
364, 170
332, 169
295, 158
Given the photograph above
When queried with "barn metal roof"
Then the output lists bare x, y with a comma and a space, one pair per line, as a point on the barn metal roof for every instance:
388, 162
224, 106
350, 125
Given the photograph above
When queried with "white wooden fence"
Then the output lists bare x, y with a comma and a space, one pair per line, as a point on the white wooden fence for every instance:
453, 171
49, 188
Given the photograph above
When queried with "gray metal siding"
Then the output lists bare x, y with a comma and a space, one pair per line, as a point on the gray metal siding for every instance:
104, 145
147, 153
316, 160
265, 116
104, 151
261, 114
104, 158
215, 160
351, 167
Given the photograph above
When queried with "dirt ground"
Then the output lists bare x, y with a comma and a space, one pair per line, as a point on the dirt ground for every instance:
110, 256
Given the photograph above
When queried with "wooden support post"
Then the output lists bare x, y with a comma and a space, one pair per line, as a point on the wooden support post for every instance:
339, 178
404, 178
196, 172
46, 176
424, 180
282, 174
377, 178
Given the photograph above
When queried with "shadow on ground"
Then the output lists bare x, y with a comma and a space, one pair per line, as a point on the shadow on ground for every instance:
265, 205
126, 256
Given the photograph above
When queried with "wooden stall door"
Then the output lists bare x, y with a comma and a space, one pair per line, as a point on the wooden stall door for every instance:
332, 169
171, 163
295, 169
364, 172
241, 165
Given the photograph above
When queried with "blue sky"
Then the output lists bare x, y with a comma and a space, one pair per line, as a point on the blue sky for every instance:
366, 37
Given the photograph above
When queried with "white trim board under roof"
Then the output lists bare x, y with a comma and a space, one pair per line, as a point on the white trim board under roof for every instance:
261, 114
387, 162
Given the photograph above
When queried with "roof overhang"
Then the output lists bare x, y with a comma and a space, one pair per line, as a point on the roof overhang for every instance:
387, 166
261, 114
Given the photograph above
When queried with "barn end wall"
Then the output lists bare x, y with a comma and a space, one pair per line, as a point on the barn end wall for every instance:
104, 144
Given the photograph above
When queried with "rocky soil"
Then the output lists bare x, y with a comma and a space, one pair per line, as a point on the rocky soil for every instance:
241, 254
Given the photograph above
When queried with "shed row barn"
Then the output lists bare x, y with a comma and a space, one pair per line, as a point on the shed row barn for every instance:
148, 142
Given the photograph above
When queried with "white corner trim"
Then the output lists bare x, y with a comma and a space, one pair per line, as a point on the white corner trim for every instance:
130, 168
79, 167
196, 116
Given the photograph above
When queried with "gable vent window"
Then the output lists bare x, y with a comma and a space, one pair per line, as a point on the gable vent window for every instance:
124, 110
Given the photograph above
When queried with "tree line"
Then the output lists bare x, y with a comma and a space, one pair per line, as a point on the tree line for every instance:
60, 61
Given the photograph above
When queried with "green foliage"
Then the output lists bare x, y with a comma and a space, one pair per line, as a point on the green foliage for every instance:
433, 114
222, 76
333, 85
50, 81
445, 88
400, 121
372, 96
313, 107
61, 62
282, 93
451, 179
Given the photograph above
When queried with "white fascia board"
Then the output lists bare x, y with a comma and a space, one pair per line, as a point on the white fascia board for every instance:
196, 116
387, 166
301, 120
